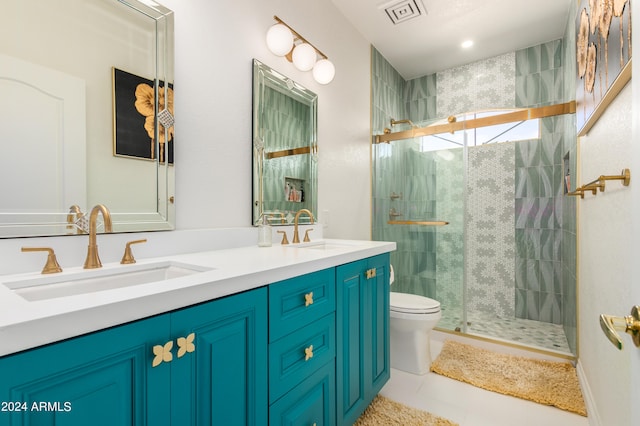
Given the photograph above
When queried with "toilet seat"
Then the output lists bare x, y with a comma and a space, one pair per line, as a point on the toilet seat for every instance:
412, 304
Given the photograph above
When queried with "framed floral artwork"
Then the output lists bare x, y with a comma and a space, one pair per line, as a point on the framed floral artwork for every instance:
134, 118
603, 56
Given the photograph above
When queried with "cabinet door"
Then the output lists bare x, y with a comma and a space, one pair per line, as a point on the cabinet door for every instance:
220, 377
312, 402
378, 318
362, 364
104, 378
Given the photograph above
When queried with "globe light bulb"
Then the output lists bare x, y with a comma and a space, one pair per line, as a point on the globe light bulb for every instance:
324, 71
279, 40
304, 56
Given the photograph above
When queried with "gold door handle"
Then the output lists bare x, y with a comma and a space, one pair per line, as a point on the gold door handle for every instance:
308, 353
162, 353
630, 324
308, 299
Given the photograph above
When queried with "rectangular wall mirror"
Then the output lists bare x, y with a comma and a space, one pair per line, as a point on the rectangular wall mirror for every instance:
285, 169
86, 109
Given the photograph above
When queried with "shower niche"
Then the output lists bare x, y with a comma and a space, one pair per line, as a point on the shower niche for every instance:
294, 190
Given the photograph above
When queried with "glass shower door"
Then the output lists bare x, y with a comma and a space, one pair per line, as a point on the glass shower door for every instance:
418, 202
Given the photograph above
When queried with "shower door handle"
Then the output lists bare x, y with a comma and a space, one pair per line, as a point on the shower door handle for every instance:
630, 324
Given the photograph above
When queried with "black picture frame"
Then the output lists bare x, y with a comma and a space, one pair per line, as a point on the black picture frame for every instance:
130, 138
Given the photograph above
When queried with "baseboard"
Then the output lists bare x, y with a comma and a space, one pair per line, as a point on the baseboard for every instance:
592, 411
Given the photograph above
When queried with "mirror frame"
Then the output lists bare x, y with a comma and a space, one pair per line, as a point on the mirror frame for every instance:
59, 223
265, 77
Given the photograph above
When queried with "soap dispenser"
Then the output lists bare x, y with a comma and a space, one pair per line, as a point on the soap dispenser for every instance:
264, 233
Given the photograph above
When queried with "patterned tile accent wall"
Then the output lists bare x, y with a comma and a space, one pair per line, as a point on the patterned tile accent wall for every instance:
450, 262
421, 96
491, 226
539, 75
388, 88
481, 85
541, 290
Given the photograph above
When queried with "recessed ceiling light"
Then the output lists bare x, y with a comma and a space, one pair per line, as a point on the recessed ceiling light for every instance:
467, 44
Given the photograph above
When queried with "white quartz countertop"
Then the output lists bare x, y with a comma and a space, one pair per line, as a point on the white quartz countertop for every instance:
26, 324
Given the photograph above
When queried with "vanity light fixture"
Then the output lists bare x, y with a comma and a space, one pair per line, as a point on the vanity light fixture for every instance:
282, 40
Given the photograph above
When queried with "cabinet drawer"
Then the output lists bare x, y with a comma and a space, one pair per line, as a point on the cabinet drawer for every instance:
296, 356
310, 403
299, 301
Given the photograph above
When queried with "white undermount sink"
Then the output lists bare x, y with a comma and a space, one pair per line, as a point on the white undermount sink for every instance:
322, 245
94, 280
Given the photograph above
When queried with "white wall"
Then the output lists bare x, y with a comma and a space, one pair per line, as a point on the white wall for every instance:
606, 262
215, 44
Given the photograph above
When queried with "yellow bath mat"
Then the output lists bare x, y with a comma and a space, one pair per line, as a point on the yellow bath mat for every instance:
544, 382
384, 411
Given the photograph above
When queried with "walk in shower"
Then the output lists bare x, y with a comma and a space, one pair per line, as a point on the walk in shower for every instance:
477, 215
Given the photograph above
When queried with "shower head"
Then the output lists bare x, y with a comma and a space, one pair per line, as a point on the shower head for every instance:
394, 122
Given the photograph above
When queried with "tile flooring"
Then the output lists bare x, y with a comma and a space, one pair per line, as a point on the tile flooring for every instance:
537, 334
468, 405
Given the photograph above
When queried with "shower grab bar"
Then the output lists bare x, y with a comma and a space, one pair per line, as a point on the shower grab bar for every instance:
418, 222
288, 152
599, 183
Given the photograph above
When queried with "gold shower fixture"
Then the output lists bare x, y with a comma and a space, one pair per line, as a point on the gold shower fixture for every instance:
394, 122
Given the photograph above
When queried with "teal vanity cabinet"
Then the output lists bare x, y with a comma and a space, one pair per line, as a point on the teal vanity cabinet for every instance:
313, 349
362, 361
201, 365
302, 350
103, 378
224, 380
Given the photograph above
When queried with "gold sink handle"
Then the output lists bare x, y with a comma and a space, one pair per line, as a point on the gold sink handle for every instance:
630, 324
52, 266
285, 240
128, 254
306, 235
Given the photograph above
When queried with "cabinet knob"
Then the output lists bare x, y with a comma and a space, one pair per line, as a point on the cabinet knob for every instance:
371, 273
308, 299
185, 344
308, 353
162, 353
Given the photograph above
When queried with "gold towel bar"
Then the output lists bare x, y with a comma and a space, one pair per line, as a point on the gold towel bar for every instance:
593, 186
413, 222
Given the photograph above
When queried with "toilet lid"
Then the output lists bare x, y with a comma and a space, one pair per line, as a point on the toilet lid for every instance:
412, 303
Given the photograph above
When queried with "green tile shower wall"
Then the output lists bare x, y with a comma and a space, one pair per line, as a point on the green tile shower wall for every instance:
285, 125
543, 267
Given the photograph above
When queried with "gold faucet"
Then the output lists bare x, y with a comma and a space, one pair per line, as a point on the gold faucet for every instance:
93, 260
296, 236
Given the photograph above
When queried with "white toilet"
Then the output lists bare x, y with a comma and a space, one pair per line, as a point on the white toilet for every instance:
412, 319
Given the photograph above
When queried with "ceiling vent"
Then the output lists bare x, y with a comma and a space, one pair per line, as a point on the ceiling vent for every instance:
403, 10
